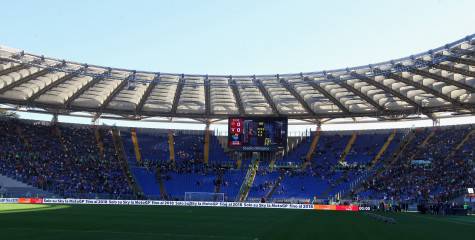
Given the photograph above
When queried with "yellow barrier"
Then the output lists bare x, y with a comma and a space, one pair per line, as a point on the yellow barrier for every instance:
135, 141
99, 142
171, 146
348, 147
313, 146
206, 147
384, 147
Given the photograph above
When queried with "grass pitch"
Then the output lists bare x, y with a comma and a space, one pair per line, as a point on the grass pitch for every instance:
158, 222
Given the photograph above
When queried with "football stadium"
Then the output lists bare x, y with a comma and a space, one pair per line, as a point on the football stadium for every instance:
384, 150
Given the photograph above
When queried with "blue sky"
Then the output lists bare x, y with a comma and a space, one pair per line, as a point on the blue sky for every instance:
233, 37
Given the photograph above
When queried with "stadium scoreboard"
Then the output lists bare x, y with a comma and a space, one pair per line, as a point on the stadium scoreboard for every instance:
257, 134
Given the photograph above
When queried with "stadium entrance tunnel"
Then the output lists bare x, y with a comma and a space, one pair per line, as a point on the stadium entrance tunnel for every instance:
19, 208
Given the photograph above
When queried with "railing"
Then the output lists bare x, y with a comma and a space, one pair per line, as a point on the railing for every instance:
377, 168
384, 148
206, 145
135, 141
275, 186
248, 180
161, 184
100, 143
313, 147
58, 134
119, 148
348, 147
461, 143
171, 146
24, 140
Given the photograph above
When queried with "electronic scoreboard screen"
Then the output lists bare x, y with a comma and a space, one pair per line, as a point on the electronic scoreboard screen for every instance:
257, 134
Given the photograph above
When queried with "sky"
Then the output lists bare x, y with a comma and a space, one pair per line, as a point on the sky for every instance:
233, 37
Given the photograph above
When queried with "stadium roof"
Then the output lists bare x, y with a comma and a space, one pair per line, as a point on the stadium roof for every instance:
437, 82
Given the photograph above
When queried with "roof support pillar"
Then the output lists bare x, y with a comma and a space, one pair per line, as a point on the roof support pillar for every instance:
294, 93
266, 95
236, 94
148, 91
332, 99
178, 91
207, 96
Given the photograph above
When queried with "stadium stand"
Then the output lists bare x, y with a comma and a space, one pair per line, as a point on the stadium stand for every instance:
410, 165
64, 160
429, 169
67, 160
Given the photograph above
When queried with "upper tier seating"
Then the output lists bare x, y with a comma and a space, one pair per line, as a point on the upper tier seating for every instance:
65, 159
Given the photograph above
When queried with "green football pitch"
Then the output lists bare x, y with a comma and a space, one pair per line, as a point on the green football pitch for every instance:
157, 222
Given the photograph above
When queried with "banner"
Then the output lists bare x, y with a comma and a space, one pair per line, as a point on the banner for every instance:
71, 201
351, 208
175, 203
324, 207
8, 200
30, 200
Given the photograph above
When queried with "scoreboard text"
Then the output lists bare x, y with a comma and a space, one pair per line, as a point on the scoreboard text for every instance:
257, 134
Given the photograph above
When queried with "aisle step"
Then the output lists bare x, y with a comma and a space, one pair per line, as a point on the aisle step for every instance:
313, 147
248, 180
135, 141
384, 147
171, 146
348, 147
